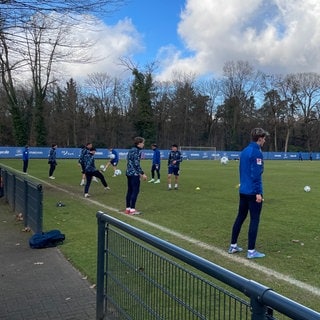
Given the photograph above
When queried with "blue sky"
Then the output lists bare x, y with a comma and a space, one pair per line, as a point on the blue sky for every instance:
156, 21
199, 36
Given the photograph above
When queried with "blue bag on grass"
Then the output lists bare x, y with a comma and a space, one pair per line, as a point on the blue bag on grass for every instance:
46, 239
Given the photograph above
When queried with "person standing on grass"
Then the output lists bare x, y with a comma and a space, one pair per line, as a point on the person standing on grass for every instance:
91, 171
174, 160
156, 161
25, 159
84, 151
134, 173
114, 159
251, 193
52, 160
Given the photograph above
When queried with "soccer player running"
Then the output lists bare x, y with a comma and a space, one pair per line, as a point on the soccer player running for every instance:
114, 160
134, 173
156, 161
91, 171
251, 193
174, 160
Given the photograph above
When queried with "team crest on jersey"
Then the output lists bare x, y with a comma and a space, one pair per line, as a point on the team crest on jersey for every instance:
259, 161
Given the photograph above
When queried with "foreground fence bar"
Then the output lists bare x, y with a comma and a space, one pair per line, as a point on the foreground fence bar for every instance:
130, 293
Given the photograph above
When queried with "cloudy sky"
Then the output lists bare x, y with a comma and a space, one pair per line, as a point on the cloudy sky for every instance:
199, 36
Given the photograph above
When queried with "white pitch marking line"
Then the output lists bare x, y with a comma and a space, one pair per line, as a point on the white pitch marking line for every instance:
246, 262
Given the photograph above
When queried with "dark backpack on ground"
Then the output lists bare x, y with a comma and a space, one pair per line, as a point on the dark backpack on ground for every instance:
46, 239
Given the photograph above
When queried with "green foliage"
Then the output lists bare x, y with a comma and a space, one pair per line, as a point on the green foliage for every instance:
143, 119
289, 232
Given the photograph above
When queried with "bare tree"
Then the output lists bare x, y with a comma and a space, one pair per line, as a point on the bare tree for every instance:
34, 36
289, 113
211, 89
239, 85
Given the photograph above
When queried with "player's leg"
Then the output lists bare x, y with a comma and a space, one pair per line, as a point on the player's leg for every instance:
170, 171
176, 178
87, 185
152, 173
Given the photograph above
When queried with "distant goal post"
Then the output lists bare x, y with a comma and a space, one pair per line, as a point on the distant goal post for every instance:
209, 153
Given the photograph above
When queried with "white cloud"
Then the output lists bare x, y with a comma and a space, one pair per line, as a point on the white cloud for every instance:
109, 44
276, 36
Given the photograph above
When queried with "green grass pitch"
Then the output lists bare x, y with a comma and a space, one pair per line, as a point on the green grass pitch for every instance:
289, 231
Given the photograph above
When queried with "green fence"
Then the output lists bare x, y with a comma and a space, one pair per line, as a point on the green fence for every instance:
24, 197
141, 277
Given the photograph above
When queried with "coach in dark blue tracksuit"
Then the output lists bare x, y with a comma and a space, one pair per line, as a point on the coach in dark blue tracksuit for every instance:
251, 193
25, 158
156, 163
134, 172
52, 160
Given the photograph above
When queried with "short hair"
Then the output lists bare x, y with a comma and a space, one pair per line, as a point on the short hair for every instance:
174, 146
154, 145
257, 133
138, 140
93, 149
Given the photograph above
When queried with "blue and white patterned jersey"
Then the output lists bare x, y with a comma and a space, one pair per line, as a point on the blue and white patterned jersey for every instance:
133, 162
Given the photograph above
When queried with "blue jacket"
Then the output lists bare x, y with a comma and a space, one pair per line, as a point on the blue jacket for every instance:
84, 152
133, 162
116, 155
25, 154
89, 164
52, 156
251, 169
156, 159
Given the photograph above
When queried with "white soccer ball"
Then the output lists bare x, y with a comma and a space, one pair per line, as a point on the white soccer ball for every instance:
102, 167
224, 160
111, 156
307, 189
117, 172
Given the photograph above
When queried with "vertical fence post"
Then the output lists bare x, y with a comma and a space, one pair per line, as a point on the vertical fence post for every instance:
39, 208
25, 204
100, 268
258, 310
14, 192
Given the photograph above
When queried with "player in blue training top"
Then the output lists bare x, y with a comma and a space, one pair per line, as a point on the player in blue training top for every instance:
251, 193
52, 160
156, 162
114, 160
134, 173
25, 159
174, 160
84, 151
91, 172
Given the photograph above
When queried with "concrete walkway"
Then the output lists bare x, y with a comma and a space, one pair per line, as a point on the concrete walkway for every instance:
38, 283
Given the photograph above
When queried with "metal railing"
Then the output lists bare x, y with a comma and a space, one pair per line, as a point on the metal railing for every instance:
24, 197
142, 277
